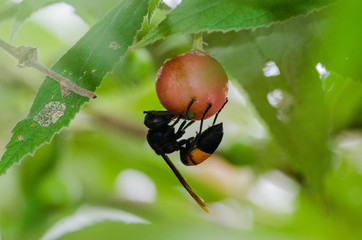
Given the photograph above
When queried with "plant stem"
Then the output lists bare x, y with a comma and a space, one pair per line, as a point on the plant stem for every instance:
198, 42
28, 57
9, 48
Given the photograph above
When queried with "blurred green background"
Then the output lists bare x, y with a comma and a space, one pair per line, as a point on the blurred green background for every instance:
289, 166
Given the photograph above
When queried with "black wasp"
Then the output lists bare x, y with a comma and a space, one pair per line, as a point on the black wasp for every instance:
164, 139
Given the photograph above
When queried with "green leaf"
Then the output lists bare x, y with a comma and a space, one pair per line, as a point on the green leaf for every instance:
86, 64
8, 10
92, 11
193, 16
344, 99
151, 9
93, 215
342, 53
291, 103
26, 8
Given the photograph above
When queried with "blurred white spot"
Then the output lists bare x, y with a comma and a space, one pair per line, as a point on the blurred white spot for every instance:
275, 192
250, 127
350, 146
61, 20
235, 94
275, 97
17, 2
87, 216
282, 101
323, 73
134, 185
232, 214
271, 69
172, 3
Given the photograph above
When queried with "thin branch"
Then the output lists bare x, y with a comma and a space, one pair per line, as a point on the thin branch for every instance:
28, 57
9, 48
116, 124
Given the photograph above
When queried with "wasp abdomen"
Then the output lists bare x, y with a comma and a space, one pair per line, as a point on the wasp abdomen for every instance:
205, 146
210, 138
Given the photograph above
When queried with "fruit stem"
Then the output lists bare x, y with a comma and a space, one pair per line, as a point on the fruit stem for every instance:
198, 42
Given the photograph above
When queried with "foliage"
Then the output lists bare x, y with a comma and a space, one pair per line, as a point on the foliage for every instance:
84, 64
292, 125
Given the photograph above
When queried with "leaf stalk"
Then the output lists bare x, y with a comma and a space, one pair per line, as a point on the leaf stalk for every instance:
198, 43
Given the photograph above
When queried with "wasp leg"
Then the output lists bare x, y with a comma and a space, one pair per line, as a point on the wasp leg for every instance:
217, 114
203, 116
192, 145
187, 112
182, 126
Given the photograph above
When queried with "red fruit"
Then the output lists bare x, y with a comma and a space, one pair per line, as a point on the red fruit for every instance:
192, 75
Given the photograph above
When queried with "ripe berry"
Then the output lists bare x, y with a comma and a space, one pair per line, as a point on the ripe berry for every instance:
192, 75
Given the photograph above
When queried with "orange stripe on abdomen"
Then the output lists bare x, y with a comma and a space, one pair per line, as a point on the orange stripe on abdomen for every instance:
196, 156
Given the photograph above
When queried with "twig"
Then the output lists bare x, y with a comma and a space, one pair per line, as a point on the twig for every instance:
116, 124
28, 57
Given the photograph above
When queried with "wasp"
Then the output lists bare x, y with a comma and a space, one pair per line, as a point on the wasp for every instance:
164, 139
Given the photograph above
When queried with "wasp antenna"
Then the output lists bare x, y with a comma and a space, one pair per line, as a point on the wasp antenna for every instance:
201, 124
182, 180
